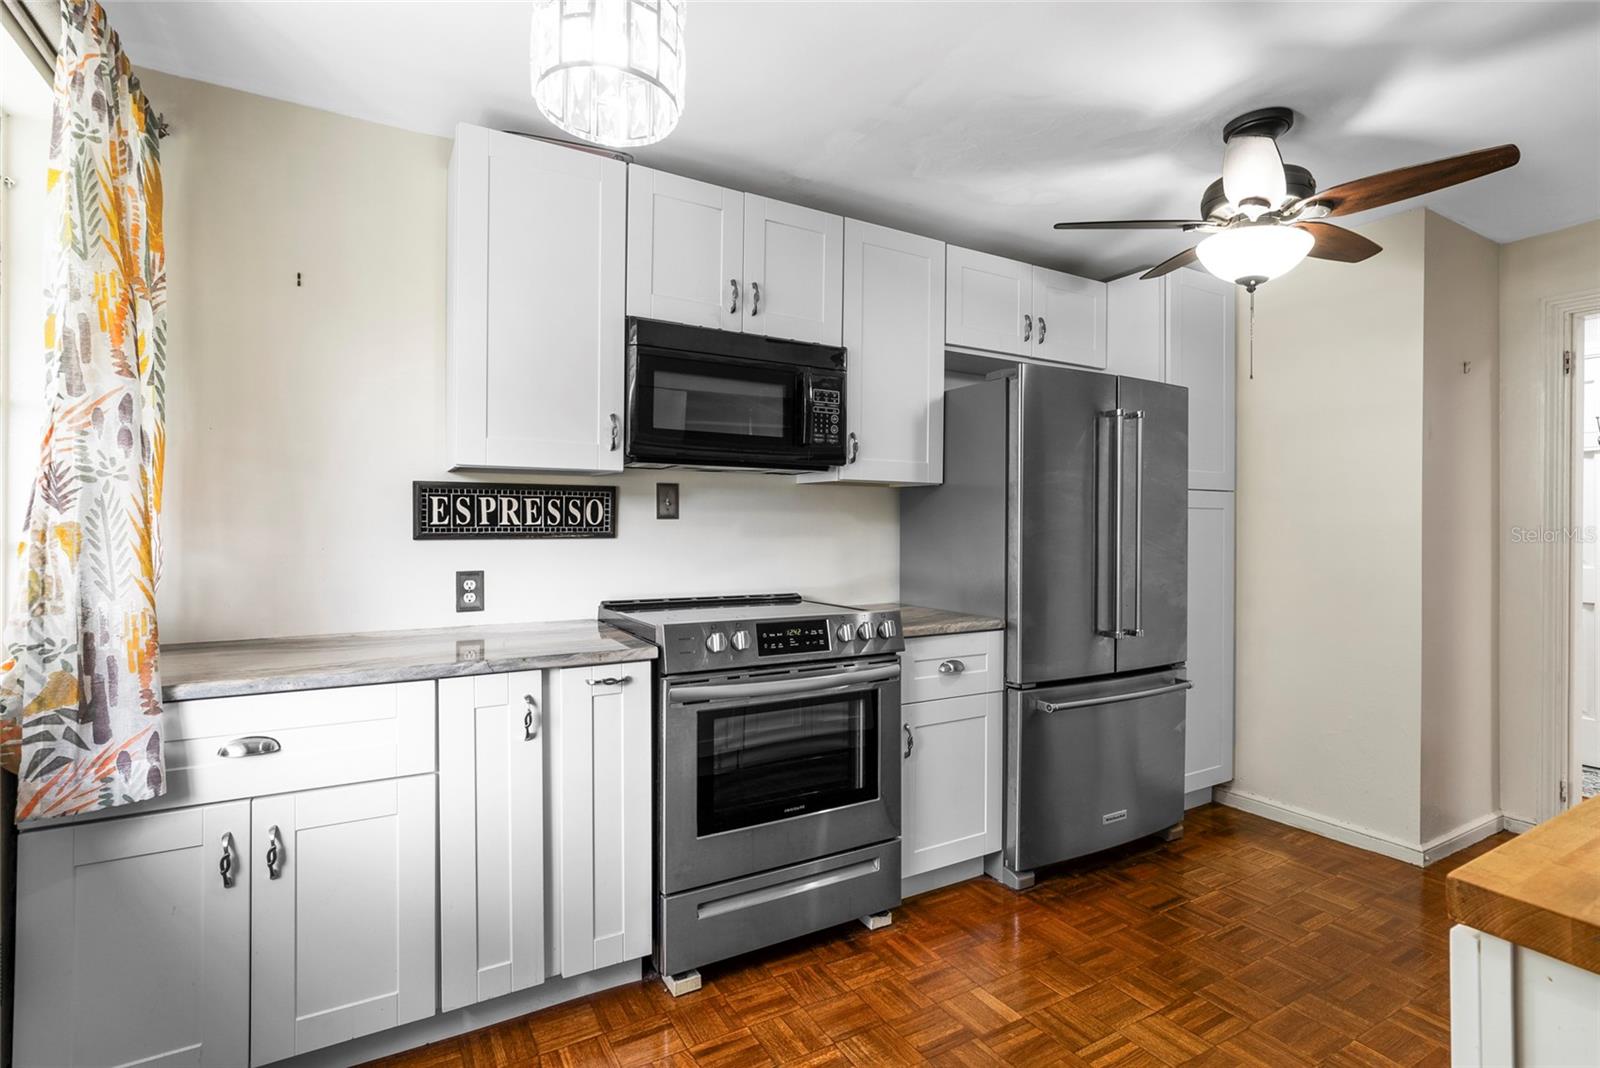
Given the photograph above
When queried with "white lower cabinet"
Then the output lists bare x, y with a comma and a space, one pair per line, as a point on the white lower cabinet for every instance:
133, 947
1208, 734
952, 726
600, 773
491, 836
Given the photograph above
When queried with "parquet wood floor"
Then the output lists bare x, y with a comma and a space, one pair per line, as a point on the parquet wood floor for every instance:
1243, 943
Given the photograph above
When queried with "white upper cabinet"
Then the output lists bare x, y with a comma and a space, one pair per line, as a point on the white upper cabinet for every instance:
1136, 341
1069, 319
793, 265
686, 251
894, 295
988, 303
537, 246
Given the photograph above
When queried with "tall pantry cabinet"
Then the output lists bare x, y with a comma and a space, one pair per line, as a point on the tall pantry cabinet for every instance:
1180, 328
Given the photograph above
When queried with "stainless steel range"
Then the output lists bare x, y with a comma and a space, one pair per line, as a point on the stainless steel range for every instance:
777, 771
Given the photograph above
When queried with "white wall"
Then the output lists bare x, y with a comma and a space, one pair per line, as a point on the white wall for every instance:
1561, 264
1461, 325
1329, 514
299, 415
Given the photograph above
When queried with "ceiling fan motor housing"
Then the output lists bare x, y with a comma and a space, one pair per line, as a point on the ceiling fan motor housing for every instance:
1262, 122
1298, 180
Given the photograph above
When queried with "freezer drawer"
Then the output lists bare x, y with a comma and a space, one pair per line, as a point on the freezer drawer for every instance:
1091, 765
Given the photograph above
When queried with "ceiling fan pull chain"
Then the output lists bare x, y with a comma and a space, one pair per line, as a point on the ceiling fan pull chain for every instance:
1252, 335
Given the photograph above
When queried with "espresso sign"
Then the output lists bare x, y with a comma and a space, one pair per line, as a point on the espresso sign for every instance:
512, 510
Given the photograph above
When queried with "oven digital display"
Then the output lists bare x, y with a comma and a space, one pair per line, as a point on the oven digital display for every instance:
798, 636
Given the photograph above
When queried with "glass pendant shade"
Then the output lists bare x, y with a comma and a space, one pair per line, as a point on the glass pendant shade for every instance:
1251, 254
1252, 174
609, 71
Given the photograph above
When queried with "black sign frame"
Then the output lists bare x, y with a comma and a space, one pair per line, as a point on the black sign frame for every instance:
481, 510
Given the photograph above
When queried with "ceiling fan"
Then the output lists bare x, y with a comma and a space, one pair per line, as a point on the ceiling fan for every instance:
1264, 216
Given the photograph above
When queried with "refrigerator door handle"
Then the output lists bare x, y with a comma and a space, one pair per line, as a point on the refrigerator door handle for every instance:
1118, 418
1138, 526
1137, 695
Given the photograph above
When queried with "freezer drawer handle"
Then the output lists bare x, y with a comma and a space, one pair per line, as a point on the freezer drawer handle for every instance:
951, 667
766, 895
1137, 695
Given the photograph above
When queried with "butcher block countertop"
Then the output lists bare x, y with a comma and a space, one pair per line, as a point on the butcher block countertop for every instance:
919, 622
1540, 890
324, 661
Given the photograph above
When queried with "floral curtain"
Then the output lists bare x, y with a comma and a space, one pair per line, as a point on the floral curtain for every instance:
80, 699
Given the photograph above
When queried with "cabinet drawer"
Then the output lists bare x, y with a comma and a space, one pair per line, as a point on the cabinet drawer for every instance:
324, 738
950, 665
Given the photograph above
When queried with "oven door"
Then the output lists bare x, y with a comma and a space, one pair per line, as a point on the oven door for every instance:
763, 769
717, 411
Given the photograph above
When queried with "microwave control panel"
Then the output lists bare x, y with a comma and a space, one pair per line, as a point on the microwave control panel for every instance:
826, 407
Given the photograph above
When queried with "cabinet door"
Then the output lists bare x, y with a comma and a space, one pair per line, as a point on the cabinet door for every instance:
131, 947
1069, 319
685, 250
951, 781
1200, 329
1208, 749
342, 924
793, 263
894, 332
491, 836
537, 246
1136, 337
989, 302
600, 787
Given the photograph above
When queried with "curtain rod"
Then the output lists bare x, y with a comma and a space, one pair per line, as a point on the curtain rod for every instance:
35, 44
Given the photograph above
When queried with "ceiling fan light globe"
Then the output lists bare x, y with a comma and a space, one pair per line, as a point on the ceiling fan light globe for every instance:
1258, 253
609, 71
1252, 169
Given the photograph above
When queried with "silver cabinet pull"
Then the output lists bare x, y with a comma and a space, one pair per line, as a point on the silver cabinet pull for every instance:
253, 745
733, 295
1041, 330
1027, 327
275, 852
910, 741
1111, 699
530, 719
755, 298
610, 680
951, 667
225, 865
855, 448
1138, 526
616, 431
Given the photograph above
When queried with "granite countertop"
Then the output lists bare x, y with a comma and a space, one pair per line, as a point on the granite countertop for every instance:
271, 665
1540, 890
917, 621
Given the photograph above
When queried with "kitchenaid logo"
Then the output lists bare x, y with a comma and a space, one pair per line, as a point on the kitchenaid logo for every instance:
511, 510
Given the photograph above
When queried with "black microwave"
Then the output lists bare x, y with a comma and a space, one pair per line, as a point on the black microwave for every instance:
712, 398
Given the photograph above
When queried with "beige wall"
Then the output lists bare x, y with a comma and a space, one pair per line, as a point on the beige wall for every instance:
1552, 266
298, 415
1329, 586
1461, 322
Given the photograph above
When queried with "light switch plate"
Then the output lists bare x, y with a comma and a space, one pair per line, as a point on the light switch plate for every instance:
469, 591
667, 500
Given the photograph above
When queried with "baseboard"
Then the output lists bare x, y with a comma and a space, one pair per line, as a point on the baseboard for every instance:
959, 872
1515, 825
1470, 833
1350, 834
459, 1021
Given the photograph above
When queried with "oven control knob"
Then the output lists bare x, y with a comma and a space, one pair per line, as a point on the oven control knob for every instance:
887, 629
716, 641
864, 632
741, 640
845, 632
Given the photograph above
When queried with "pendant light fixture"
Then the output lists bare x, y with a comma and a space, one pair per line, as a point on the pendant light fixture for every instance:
609, 71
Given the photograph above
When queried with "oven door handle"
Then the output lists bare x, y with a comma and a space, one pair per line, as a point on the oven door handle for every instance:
723, 691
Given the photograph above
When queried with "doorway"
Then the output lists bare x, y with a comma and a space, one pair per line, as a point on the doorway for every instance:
1584, 758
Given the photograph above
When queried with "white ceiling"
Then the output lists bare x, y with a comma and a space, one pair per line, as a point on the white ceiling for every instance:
983, 123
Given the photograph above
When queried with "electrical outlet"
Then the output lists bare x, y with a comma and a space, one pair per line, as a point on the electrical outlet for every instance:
667, 500
469, 591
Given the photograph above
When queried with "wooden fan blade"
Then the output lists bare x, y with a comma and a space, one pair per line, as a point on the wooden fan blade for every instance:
1132, 224
1337, 243
1376, 190
1182, 259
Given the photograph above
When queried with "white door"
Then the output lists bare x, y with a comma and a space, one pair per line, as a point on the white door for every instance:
1069, 319
491, 836
132, 945
342, 929
1208, 736
950, 781
600, 786
1200, 328
1586, 737
793, 270
536, 280
894, 334
685, 250
989, 302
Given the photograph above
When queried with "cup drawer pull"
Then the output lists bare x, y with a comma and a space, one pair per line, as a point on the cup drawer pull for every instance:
951, 667
254, 745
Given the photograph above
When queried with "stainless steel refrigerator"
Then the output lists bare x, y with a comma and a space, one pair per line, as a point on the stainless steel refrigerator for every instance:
1064, 510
